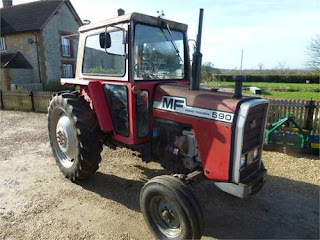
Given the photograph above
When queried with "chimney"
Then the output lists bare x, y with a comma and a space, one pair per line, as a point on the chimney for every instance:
7, 3
120, 11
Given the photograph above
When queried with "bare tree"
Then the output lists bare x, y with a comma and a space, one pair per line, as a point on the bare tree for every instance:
260, 66
313, 51
209, 65
280, 67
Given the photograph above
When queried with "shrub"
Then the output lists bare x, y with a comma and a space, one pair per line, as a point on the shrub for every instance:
272, 78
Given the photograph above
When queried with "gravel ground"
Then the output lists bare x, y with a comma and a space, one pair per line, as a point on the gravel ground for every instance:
37, 202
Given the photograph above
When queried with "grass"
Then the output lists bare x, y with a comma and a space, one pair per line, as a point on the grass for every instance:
277, 90
288, 95
285, 87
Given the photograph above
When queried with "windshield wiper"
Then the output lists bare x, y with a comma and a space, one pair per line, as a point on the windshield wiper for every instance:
171, 40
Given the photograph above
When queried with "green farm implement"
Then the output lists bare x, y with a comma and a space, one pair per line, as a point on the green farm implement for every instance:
280, 135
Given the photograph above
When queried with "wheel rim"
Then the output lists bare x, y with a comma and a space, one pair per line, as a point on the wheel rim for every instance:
166, 217
64, 140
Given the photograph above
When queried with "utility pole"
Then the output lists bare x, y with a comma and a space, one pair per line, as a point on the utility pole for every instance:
241, 61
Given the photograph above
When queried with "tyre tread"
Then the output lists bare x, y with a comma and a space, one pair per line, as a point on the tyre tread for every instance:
87, 132
185, 197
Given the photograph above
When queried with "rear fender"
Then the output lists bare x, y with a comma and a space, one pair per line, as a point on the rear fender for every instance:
95, 92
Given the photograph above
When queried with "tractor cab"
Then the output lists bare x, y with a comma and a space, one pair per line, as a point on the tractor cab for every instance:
134, 47
129, 55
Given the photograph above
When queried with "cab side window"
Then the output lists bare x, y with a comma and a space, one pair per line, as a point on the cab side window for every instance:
101, 61
117, 98
143, 114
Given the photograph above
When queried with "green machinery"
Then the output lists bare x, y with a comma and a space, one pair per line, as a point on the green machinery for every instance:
280, 135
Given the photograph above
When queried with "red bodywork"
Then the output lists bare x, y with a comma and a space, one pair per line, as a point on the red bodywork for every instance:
213, 137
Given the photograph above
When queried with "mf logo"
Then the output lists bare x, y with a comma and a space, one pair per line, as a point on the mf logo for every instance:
172, 102
253, 124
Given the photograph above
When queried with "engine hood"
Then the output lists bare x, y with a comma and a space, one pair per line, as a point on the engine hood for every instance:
219, 106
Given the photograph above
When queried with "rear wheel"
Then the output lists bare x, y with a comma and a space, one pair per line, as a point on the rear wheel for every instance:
74, 135
171, 209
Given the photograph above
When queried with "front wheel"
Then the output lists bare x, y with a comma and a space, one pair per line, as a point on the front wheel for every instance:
171, 209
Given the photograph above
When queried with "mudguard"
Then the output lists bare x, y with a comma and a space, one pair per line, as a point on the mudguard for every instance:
99, 101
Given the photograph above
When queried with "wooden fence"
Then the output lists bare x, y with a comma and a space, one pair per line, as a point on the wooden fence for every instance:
24, 100
306, 112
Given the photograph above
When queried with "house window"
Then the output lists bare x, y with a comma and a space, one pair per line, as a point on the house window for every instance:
2, 44
66, 46
67, 70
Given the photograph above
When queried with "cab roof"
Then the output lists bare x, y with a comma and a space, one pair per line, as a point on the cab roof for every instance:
137, 17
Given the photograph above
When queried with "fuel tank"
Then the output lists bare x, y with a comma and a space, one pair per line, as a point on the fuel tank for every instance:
212, 117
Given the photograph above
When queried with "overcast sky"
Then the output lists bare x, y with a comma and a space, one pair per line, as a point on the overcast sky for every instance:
270, 32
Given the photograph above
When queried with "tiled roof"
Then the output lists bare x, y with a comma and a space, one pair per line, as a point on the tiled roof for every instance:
29, 16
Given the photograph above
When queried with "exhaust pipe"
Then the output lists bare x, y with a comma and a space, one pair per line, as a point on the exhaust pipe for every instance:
197, 58
238, 85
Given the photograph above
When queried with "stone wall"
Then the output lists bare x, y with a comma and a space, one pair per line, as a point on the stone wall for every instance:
49, 50
21, 75
19, 42
61, 23
3, 85
20, 78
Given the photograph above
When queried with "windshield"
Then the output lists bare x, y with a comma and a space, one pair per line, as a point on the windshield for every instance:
158, 53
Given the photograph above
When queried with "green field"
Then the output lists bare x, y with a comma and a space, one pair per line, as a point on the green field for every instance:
288, 95
278, 90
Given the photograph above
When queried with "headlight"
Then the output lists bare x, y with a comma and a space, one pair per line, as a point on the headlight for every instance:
255, 153
243, 161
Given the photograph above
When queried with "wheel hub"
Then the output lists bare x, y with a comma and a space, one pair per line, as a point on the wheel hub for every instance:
66, 141
166, 216
61, 139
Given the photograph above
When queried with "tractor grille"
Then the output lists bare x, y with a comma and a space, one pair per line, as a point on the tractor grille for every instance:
254, 127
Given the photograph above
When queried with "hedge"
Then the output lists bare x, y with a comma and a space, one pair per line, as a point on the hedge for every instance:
272, 78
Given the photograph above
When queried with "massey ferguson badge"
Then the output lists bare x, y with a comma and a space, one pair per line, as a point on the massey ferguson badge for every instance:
179, 105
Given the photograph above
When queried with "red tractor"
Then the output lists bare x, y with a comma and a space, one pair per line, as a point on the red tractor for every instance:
136, 89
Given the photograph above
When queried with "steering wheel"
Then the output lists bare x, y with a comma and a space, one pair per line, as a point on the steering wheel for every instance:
146, 69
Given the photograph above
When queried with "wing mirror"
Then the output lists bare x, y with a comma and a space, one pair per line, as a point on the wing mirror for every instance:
113, 41
105, 40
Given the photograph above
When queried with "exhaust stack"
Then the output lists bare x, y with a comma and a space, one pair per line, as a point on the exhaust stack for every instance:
238, 85
197, 58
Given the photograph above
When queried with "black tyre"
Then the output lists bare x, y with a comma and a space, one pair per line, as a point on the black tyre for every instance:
74, 135
170, 209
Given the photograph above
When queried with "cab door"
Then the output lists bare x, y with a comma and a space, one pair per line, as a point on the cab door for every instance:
104, 61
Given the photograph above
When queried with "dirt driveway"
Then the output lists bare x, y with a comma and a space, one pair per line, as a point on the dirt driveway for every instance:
37, 202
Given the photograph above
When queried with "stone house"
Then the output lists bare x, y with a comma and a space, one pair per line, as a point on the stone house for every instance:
36, 49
